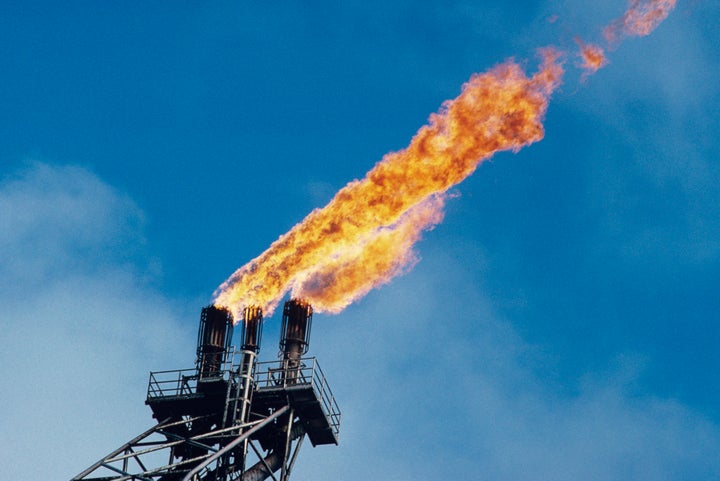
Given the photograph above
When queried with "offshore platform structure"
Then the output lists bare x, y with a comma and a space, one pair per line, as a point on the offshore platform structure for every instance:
231, 417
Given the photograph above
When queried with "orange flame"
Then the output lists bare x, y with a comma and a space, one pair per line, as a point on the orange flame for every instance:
593, 57
364, 236
386, 253
641, 18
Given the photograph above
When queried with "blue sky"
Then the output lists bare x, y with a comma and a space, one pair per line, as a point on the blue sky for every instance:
561, 325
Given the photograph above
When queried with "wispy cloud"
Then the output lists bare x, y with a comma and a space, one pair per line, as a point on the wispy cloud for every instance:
423, 400
81, 325
60, 219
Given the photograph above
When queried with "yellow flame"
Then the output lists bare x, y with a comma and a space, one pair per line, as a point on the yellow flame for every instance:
364, 236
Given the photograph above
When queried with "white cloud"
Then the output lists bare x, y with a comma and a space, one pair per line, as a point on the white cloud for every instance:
80, 325
57, 219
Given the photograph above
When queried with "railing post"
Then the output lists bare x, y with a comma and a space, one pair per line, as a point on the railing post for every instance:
322, 387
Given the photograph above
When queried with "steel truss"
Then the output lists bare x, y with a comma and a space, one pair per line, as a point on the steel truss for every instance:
247, 424
131, 461
210, 415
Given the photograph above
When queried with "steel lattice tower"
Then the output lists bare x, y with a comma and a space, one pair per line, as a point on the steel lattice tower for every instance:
231, 417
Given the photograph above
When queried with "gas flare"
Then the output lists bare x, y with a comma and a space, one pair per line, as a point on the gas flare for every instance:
640, 19
364, 235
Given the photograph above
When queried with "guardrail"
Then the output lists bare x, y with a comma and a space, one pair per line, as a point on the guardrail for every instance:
266, 375
181, 382
280, 374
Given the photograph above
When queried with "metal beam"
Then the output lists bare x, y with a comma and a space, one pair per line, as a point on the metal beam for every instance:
294, 455
263, 461
286, 449
231, 445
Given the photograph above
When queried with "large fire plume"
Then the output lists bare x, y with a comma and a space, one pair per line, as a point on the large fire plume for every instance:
365, 235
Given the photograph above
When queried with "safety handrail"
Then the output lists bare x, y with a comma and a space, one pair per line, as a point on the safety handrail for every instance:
274, 374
